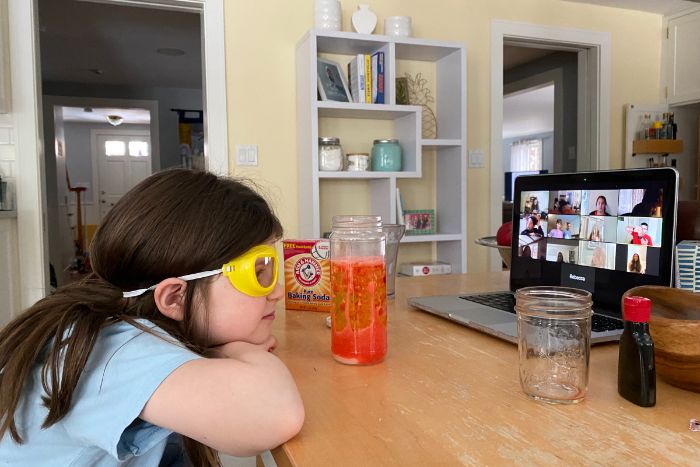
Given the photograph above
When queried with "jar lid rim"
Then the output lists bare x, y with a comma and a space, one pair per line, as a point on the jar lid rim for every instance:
329, 139
389, 140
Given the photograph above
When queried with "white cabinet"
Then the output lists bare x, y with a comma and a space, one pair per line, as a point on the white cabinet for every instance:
682, 58
447, 152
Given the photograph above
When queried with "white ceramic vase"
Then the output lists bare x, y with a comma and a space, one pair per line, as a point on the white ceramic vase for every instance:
364, 20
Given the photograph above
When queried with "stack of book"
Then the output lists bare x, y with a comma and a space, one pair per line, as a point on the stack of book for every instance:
366, 78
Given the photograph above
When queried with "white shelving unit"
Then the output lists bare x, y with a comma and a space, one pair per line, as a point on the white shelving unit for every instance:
450, 62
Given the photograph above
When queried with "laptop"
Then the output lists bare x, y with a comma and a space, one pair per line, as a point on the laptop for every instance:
604, 232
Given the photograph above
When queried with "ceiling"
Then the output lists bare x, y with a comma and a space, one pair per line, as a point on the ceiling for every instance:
77, 38
99, 115
528, 112
662, 7
514, 56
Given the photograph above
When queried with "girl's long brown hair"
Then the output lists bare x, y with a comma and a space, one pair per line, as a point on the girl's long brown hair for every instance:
173, 223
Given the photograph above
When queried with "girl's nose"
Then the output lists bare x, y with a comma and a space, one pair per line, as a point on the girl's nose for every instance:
277, 293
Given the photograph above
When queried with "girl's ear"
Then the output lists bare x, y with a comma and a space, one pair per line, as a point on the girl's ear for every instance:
170, 298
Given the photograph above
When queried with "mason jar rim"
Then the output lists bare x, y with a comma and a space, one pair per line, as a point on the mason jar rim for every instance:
328, 140
357, 221
553, 302
379, 141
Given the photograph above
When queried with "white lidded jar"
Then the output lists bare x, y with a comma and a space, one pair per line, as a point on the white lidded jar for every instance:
330, 154
397, 26
328, 15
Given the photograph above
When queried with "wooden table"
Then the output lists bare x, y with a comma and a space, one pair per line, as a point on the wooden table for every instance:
448, 395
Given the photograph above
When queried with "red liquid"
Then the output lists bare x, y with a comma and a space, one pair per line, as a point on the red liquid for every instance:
358, 314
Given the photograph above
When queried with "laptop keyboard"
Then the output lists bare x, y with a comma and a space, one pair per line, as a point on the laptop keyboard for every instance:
506, 302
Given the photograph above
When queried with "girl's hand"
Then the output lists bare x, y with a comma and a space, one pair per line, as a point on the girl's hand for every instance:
240, 348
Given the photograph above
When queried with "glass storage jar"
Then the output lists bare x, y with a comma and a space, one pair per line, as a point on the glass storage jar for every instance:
358, 162
330, 154
554, 342
386, 155
358, 290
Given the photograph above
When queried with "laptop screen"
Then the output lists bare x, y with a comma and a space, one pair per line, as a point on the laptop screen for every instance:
604, 232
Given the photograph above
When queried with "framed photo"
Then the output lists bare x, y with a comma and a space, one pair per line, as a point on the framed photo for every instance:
331, 81
419, 221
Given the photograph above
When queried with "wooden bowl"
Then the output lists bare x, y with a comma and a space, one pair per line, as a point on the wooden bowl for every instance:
490, 242
675, 329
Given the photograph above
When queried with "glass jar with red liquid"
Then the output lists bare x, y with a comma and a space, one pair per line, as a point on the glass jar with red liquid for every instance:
358, 290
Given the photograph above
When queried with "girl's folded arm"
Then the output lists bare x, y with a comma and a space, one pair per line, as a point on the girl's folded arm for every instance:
239, 407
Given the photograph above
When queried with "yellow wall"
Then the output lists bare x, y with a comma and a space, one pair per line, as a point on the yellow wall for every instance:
260, 48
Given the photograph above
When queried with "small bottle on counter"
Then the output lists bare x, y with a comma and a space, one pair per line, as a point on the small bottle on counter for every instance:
636, 372
673, 127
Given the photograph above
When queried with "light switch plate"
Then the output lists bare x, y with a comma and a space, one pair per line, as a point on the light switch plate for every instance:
476, 158
247, 154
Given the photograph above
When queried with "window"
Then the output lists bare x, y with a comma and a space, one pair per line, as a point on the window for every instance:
115, 148
526, 155
138, 148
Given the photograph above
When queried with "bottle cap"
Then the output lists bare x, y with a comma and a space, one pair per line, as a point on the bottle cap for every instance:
637, 309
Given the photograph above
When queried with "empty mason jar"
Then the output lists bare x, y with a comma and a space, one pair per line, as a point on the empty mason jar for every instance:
554, 342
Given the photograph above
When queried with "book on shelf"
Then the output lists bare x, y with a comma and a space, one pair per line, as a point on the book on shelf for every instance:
357, 78
399, 207
378, 77
368, 79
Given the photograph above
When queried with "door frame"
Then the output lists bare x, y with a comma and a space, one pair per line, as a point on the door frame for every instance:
594, 69
32, 224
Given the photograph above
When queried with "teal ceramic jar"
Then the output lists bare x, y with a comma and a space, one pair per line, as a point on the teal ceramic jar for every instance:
386, 155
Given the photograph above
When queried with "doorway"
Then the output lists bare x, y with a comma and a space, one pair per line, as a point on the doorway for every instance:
32, 219
590, 151
528, 136
100, 150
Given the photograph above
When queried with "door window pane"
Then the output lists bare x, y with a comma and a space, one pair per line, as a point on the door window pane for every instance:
526, 155
115, 148
138, 148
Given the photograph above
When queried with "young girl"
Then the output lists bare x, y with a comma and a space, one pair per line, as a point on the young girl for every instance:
171, 334
635, 264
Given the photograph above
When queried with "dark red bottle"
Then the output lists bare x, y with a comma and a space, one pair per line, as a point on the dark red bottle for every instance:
636, 372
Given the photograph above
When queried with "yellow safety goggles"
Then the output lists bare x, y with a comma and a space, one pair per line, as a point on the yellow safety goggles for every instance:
254, 273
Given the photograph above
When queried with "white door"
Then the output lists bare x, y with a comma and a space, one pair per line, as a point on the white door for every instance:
123, 160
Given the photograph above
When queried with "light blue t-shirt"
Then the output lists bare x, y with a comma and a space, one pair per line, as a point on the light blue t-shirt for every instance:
102, 427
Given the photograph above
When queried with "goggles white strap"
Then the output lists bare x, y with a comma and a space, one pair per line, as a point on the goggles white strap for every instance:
187, 277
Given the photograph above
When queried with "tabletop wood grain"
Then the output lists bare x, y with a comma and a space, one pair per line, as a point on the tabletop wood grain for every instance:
448, 395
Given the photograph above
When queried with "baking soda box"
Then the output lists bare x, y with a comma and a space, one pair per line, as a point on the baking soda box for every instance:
307, 275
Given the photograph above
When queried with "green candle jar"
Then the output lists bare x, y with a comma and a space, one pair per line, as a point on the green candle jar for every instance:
386, 155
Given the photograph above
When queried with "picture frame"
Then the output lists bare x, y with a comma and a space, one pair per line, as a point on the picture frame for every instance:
332, 84
419, 221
